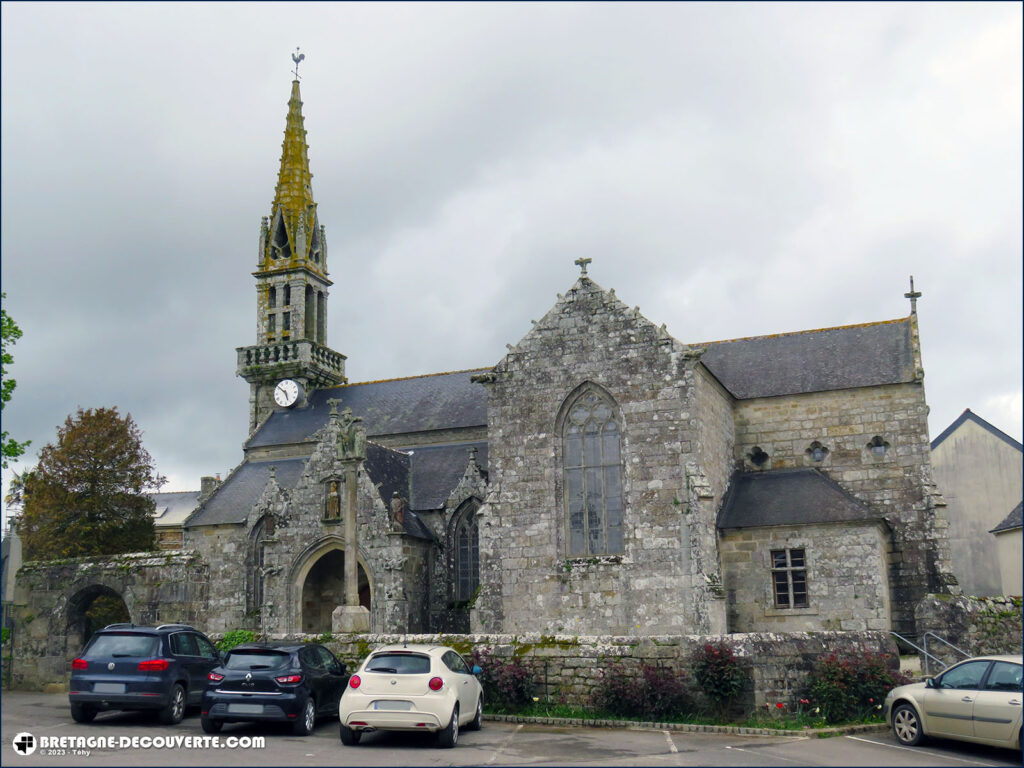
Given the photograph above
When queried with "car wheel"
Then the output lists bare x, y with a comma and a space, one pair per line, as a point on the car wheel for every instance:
349, 737
307, 720
173, 713
81, 713
906, 725
211, 726
478, 719
449, 737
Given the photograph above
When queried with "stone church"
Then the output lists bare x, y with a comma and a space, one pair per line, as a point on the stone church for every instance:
600, 478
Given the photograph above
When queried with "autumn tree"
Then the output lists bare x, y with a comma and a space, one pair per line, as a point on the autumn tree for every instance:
87, 496
9, 334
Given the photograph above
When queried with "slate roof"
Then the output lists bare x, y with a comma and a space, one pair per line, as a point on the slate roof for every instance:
436, 470
231, 502
174, 507
788, 497
813, 361
1012, 520
969, 415
393, 407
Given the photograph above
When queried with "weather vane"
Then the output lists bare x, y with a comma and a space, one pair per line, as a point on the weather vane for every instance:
297, 57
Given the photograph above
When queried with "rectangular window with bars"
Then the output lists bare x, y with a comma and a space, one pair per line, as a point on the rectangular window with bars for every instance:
789, 578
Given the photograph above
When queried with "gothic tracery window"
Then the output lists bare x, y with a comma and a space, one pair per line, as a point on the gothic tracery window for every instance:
593, 476
466, 550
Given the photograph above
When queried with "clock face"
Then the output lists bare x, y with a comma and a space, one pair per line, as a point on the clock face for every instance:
286, 393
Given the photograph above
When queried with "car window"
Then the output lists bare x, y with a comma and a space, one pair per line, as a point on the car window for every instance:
122, 645
966, 676
184, 644
454, 662
205, 647
327, 660
311, 658
256, 659
1005, 676
399, 663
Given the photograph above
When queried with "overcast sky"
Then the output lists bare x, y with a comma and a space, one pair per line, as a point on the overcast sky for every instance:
733, 169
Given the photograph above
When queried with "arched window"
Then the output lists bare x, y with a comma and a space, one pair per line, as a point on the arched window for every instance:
466, 552
592, 475
257, 561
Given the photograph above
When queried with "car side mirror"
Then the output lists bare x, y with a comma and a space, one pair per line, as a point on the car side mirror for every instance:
929, 682
477, 670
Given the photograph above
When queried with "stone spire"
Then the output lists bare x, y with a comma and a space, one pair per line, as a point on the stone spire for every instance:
294, 236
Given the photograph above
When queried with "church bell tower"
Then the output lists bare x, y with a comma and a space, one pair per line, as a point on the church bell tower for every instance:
291, 287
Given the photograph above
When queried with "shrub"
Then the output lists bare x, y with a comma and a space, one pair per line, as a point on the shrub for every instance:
719, 674
233, 638
507, 684
650, 693
851, 689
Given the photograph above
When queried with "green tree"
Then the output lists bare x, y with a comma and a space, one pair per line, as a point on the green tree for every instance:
87, 496
9, 334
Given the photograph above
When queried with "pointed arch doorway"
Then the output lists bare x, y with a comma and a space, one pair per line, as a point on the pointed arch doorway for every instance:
322, 588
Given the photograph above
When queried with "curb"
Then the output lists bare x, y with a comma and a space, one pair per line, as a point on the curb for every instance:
822, 733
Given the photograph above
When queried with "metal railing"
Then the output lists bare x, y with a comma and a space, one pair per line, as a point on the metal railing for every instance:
928, 656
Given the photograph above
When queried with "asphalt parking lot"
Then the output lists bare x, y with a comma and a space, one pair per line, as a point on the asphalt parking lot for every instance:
497, 744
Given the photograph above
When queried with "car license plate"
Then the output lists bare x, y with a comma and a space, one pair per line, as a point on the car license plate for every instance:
245, 709
108, 688
392, 705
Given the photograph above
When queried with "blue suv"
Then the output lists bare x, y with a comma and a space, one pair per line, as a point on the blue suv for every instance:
125, 667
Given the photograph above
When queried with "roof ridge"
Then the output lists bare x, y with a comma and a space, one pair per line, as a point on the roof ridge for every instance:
800, 333
409, 378
969, 415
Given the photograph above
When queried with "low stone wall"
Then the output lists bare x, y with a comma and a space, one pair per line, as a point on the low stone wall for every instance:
977, 625
567, 668
50, 598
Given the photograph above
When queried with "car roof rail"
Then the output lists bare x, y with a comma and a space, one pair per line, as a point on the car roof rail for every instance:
175, 626
122, 625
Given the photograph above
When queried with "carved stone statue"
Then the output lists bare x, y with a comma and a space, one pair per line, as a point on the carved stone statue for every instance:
397, 512
351, 438
332, 510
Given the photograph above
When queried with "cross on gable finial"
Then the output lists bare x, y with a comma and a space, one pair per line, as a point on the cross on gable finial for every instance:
297, 57
582, 264
913, 296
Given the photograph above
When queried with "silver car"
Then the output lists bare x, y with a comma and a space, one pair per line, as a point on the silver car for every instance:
976, 700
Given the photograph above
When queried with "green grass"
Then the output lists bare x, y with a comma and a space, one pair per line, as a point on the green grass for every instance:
783, 722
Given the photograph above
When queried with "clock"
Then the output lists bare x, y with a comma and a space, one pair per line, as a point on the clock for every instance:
287, 393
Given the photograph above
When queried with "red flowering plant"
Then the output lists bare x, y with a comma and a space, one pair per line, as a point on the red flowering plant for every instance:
850, 689
720, 675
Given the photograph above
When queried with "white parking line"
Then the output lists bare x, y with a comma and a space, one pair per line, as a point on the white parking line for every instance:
762, 752
501, 748
919, 751
671, 744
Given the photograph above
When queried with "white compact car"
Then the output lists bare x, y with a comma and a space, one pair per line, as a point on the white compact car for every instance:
412, 688
976, 700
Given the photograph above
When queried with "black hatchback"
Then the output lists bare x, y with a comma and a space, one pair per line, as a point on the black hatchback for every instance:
274, 682
125, 667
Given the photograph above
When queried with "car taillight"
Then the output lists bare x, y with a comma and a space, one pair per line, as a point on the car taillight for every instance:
213, 676
354, 681
436, 683
154, 665
289, 679
79, 664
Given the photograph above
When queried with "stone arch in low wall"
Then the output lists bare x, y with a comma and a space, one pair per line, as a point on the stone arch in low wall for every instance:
51, 597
